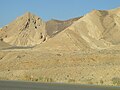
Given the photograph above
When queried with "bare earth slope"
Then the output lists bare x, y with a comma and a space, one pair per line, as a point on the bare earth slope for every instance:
100, 29
66, 41
4, 45
27, 30
53, 26
97, 30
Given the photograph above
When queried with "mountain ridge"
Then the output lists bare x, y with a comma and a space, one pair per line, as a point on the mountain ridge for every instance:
98, 29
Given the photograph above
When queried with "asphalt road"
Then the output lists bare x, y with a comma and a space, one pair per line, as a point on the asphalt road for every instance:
19, 85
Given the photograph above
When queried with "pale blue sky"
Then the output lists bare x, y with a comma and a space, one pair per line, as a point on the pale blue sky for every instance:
47, 9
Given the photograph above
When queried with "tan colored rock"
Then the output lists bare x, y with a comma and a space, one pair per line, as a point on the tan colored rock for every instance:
97, 30
27, 30
54, 27
4, 45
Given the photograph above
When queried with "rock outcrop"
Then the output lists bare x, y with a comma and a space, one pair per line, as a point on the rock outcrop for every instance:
27, 30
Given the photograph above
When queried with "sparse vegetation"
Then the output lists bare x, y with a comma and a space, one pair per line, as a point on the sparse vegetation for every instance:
4, 78
40, 79
43, 79
86, 80
101, 81
71, 80
116, 81
58, 54
46, 79
89, 81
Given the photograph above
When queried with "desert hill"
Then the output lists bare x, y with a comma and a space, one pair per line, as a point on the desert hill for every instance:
54, 27
84, 50
99, 29
27, 30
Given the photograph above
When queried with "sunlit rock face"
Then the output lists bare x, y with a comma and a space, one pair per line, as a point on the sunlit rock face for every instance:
27, 30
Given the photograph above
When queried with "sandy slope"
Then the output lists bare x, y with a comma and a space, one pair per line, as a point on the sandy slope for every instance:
4, 45
54, 27
97, 30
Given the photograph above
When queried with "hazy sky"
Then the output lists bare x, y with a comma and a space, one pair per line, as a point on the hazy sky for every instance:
47, 9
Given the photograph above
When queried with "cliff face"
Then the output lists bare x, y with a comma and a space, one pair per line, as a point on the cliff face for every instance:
27, 30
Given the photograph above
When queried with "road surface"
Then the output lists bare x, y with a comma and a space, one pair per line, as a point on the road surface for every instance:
19, 85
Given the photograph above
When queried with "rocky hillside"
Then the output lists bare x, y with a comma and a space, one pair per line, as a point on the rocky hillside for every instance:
96, 30
99, 29
27, 30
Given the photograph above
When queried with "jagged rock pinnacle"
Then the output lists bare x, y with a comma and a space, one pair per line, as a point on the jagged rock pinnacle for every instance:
27, 30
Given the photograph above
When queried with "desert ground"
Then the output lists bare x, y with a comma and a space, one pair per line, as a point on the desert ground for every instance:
61, 66
82, 50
